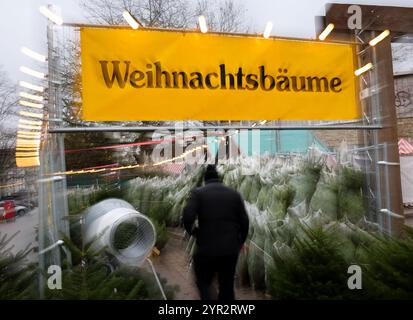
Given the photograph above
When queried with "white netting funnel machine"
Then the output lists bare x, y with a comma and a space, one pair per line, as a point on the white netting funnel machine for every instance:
126, 234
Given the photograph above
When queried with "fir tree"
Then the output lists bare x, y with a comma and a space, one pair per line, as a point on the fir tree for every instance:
17, 277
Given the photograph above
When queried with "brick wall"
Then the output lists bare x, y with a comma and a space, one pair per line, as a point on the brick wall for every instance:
333, 138
403, 87
405, 128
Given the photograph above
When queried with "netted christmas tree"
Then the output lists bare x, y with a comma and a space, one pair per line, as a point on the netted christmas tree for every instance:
92, 276
307, 225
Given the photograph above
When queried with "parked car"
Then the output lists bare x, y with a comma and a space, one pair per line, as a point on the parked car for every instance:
22, 198
20, 210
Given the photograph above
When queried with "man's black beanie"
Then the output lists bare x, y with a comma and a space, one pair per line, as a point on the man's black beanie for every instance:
211, 172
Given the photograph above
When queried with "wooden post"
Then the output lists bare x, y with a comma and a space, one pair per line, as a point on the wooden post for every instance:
388, 135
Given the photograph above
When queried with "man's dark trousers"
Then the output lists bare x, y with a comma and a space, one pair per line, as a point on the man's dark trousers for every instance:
206, 266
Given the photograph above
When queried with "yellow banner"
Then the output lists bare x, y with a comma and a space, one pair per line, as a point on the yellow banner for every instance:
161, 75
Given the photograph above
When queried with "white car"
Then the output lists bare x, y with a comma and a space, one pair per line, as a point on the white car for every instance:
20, 210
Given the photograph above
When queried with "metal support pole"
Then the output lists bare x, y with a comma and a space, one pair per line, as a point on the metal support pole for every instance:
53, 205
387, 188
379, 110
56, 130
41, 232
156, 278
227, 154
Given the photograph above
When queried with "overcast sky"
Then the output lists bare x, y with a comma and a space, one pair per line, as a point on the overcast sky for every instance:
22, 24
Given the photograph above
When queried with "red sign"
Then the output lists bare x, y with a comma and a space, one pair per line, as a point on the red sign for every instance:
9, 211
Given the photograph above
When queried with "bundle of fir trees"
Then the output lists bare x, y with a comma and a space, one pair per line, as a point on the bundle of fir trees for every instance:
307, 226
162, 199
158, 196
17, 276
315, 265
90, 276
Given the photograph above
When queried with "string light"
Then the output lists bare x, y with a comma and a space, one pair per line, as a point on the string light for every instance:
28, 146
323, 35
27, 154
31, 133
33, 54
30, 122
31, 104
363, 69
267, 31
51, 15
130, 19
27, 149
31, 96
27, 161
379, 38
32, 72
202, 24
30, 86
28, 142
25, 126
25, 137
183, 155
31, 114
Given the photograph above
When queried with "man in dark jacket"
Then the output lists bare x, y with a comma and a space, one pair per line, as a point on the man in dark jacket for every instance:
221, 232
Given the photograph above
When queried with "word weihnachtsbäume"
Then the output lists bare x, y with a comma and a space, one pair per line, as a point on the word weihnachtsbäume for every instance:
154, 76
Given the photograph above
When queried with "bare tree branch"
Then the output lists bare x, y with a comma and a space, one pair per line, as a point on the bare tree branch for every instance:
152, 13
222, 15
8, 101
7, 162
7, 96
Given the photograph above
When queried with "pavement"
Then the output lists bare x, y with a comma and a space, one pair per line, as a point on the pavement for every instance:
24, 226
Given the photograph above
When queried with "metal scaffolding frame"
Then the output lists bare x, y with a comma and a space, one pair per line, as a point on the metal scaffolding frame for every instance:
377, 150
205, 128
53, 206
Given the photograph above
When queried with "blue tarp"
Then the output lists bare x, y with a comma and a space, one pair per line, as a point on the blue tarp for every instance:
270, 141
